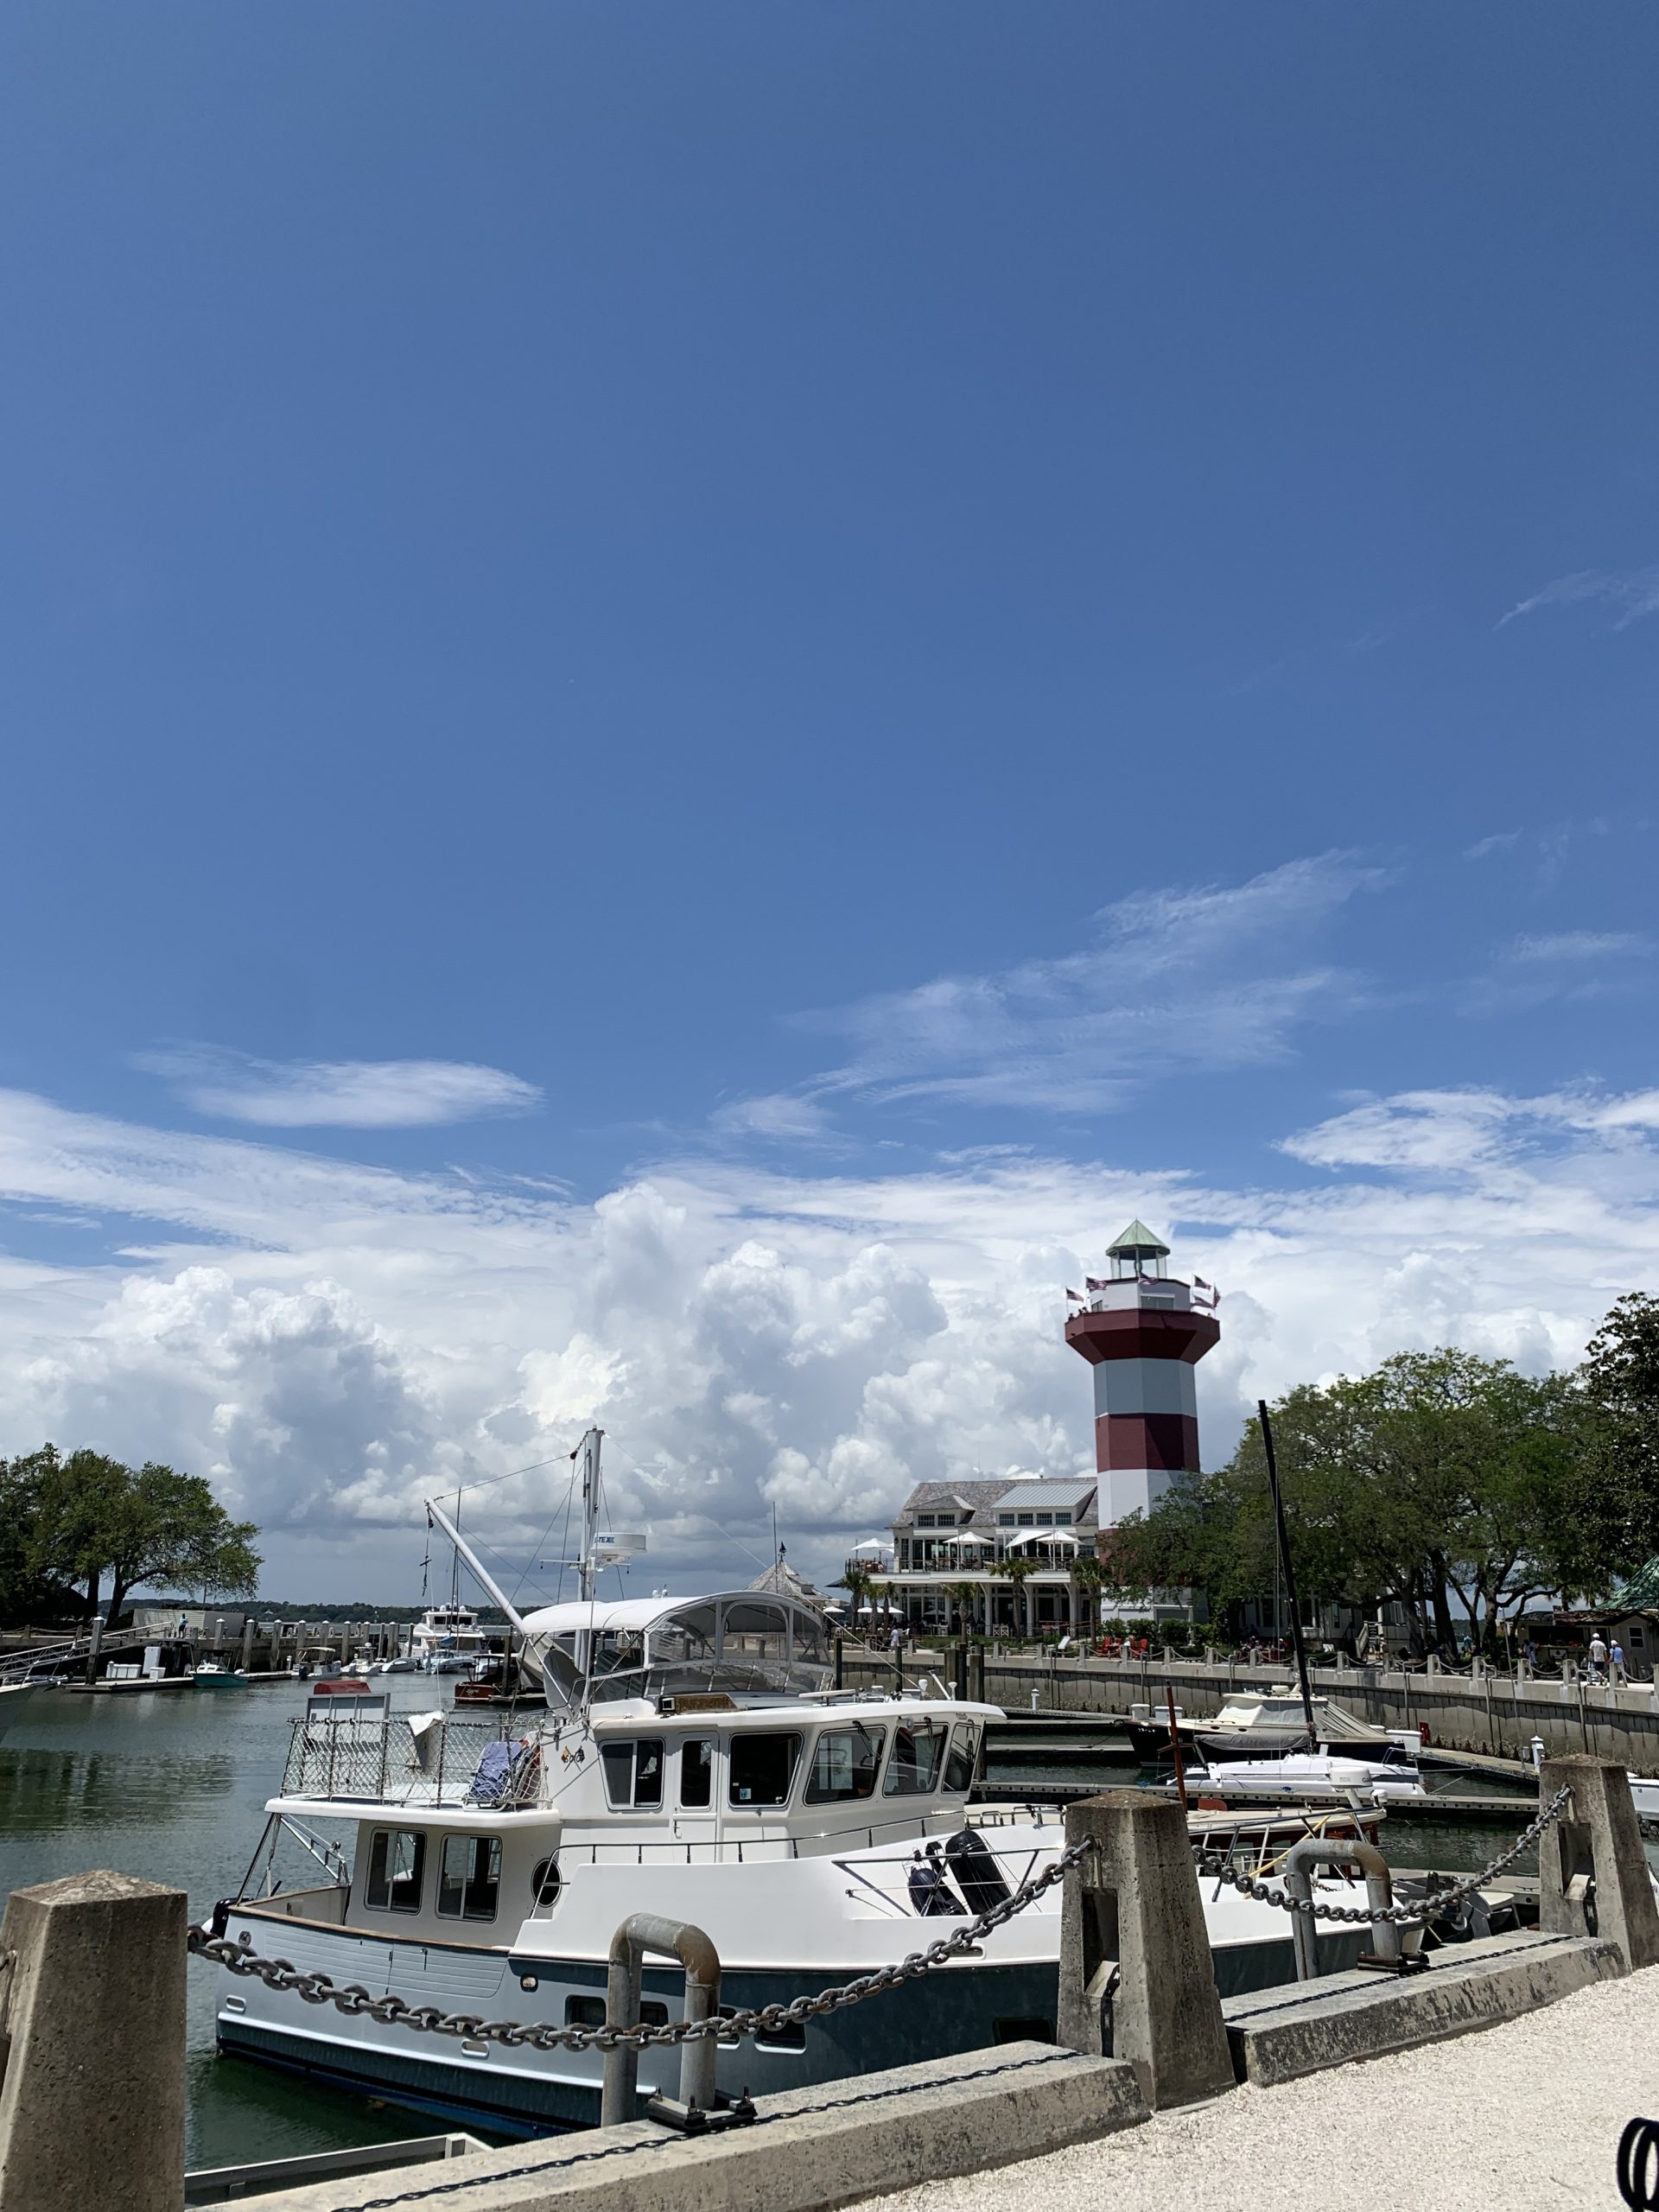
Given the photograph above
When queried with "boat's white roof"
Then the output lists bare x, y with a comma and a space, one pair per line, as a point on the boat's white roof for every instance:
632, 1612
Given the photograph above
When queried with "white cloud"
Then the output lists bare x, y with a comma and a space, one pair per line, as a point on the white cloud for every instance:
332, 1343
338, 1093
1210, 978
1581, 944
1567, 966
1634, 592
779, 1117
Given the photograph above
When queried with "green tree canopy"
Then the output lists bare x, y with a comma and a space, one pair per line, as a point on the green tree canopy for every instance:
90, 1516
1439, 1473
1618, 1396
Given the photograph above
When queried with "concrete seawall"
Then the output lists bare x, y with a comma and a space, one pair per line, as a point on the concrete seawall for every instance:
1497, 1715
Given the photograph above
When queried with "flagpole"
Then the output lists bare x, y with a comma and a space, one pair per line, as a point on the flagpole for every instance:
1290, 1578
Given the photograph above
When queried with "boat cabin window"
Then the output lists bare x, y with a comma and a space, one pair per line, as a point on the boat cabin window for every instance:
545, 1885
397, 1868
961, 1759
633, 1774
589, 2012
917, 1755
762, 1769
845, 1761
697, 1772
469, 1877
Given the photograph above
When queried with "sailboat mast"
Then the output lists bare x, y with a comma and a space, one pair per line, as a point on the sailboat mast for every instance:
1290, 1578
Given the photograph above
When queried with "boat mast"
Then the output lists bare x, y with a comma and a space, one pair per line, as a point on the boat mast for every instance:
1290, 1578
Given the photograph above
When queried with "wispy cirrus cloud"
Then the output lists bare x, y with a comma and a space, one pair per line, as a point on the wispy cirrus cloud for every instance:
1633, 593
1561, 965
1576, 945
338, 1094
1212, 977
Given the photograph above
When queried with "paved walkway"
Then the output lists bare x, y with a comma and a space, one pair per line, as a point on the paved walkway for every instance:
1523, 2116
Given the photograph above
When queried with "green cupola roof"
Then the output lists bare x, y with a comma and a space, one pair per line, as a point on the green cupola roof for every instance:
1136, 1242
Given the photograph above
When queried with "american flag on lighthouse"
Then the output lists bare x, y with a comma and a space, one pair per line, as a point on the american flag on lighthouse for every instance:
1204, 1293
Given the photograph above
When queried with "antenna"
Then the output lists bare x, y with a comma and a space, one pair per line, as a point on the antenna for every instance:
586, 1562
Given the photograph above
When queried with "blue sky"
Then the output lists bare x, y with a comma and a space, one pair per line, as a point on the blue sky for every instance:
686, 689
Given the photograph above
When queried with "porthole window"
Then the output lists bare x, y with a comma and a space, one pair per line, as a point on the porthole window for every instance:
545, 1885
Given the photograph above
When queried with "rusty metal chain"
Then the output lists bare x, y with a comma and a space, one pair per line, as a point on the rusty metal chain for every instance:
1247, 1886
766, 2019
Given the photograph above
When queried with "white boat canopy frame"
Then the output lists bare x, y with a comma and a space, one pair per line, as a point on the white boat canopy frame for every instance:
743, 1643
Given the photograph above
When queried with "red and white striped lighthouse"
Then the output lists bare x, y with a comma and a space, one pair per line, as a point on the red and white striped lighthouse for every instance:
1143, 1337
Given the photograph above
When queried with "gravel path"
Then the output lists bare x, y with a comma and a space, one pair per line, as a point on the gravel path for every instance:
1523, 2116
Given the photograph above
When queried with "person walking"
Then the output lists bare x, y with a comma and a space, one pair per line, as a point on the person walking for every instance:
1597, 1658
1616, 1663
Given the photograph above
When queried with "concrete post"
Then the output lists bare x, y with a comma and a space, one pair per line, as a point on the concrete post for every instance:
93, 2086
1593, 1878
247, 1643
1137, 1978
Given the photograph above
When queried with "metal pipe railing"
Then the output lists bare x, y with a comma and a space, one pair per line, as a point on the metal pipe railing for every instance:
1325, 1851
678, 1939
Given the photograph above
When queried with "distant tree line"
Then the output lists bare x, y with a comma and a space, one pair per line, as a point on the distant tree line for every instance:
1451, 1486
79, 1530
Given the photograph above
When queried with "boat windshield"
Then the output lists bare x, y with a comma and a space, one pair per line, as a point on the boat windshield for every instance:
767, 1645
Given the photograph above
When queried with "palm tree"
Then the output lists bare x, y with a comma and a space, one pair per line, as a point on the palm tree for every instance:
856, 1581
965, 1597
1016, 1567
1087, 1576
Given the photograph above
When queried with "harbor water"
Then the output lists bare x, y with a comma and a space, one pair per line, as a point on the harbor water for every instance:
172, 1786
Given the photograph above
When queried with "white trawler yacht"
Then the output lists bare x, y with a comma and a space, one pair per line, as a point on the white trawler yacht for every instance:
447, 1639
693, 1762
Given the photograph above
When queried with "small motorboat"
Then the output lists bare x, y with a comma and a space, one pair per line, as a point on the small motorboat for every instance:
1307, 1773
214, 1675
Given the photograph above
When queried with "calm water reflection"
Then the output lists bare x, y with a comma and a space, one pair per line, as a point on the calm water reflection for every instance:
172, 1786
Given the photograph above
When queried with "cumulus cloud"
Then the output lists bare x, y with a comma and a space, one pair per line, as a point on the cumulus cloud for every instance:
331, 1344
1211, 978
338, 1093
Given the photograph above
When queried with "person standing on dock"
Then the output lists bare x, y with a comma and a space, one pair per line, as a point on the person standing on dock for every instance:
1597, 1658
1616, 1663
